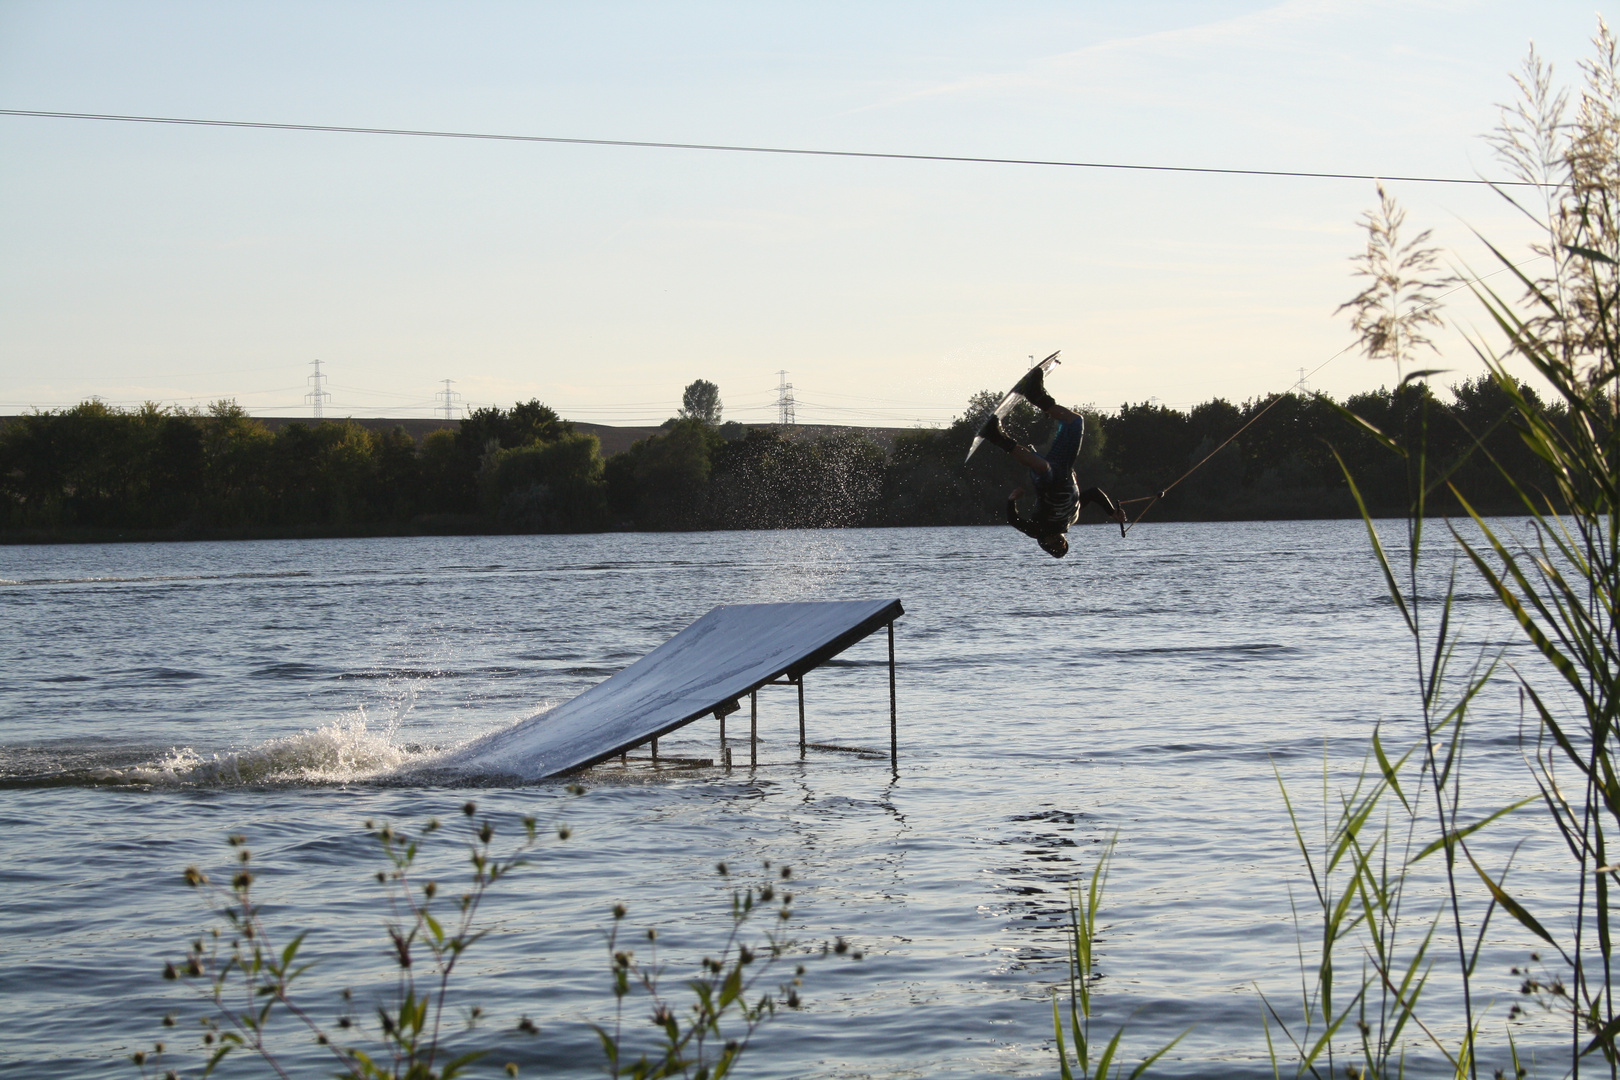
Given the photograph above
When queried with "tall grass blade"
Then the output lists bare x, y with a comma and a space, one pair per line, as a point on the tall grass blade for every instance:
1512, 906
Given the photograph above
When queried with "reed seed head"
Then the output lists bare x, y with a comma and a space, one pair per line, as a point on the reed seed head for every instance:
469, 808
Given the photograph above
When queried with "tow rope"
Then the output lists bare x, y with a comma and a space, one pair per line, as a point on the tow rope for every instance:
1125, 527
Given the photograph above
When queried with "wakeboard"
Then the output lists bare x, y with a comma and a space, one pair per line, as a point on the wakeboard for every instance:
1012, 398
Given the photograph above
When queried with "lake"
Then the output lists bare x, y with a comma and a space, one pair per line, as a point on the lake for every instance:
156, 697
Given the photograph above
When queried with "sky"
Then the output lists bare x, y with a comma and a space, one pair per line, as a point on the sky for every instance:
183, 265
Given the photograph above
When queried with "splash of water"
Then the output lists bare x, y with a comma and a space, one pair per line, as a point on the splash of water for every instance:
344, 751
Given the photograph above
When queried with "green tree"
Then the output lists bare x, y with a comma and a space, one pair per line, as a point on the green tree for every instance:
236, 466
701, 401
662, 481
546, 487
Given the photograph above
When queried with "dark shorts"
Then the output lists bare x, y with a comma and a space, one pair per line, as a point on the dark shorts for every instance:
1065, 449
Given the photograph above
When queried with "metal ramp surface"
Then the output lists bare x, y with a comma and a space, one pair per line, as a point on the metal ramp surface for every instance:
702, 671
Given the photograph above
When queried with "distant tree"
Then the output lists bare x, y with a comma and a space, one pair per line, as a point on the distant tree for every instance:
662, 481
701, 401
529, 423
447, 484
545, 487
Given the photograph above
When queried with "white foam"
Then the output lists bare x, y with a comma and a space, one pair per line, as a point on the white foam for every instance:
344, 751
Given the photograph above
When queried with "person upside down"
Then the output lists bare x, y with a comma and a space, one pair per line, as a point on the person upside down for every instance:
1058, 498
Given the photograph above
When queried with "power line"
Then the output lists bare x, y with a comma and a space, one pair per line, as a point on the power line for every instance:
741, 149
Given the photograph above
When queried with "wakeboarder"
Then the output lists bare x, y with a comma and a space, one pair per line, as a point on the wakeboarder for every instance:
1058, 498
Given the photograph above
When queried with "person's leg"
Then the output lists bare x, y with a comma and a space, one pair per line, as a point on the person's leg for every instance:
1066, 443
1032, 388
992, 433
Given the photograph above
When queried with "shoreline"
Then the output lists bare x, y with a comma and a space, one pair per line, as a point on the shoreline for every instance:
474, 527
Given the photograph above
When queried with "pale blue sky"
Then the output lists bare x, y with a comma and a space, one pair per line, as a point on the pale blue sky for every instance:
184, 264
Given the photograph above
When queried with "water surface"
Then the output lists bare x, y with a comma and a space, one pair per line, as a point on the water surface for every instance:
155, 697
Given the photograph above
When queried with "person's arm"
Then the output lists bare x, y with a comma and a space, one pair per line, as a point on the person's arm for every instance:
1111, 509
1023, 526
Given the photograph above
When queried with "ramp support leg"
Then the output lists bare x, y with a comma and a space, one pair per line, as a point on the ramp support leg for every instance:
801, 716
753, 729
655, 750
894, 722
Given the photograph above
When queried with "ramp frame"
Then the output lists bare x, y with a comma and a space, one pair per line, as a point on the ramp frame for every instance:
704, 670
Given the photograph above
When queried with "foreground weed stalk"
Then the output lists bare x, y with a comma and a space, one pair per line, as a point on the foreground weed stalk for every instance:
248, 977
705, 1041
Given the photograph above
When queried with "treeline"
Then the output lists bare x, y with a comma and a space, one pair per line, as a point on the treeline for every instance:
93, 469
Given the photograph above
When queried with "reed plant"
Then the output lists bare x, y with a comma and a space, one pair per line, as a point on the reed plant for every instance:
1085, 1062
1560, 583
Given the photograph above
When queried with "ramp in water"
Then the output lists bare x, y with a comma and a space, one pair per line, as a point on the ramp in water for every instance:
732, 651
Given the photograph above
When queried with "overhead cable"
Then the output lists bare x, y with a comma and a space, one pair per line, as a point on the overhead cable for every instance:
740, 149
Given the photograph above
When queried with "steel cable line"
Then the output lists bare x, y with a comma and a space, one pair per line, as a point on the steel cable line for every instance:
345, 129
